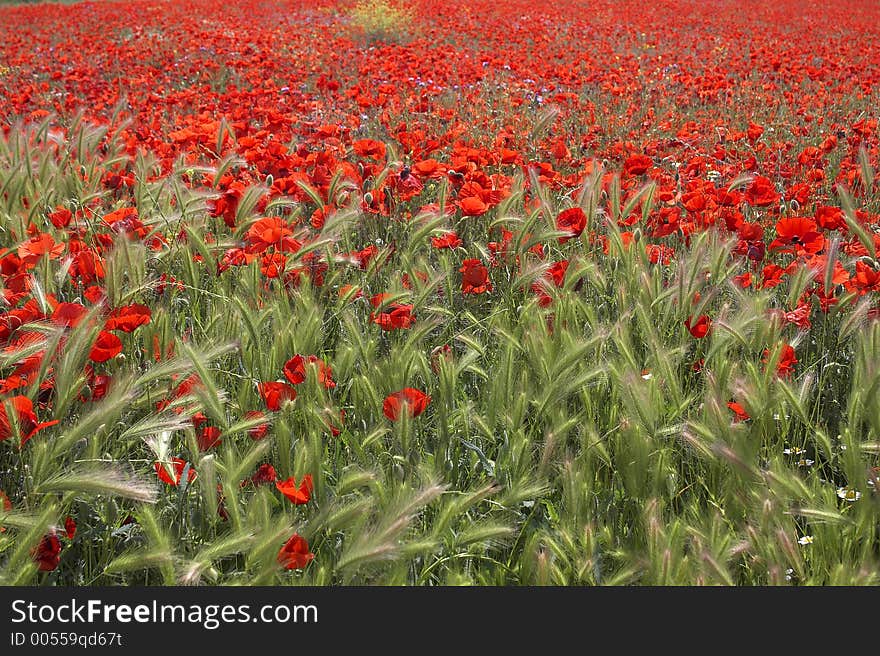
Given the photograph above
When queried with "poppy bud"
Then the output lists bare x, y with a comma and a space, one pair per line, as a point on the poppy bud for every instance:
637, 235
794, 205
270, 180
368, 198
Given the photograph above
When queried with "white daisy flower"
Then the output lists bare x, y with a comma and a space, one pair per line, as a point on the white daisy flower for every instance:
848, 494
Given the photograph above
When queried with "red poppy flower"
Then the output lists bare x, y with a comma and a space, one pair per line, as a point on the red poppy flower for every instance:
128, 318
556, 275
61, 217
87, 266
95, 294
771, 275
787, 360
761, 192
68, 314
272, 265
275, 393
28, 423
800, 233
800, 316
295, 370
188, 386
264, 475
658, 253
699, 328
397, 316
410, 399
739, 411
572, 221
743, 280
47, 554
70, 528
125, 221
298, 495
106, 346
365, 255
199, 419
369, 148
556, 272
754, 131
260, 431
637, 164
866, 279
750, 231
295, 553
271, 232
208, 437
320, 215
473, 206
475, 277
42, 244
446, 240
178, 466
428, 168
830, 218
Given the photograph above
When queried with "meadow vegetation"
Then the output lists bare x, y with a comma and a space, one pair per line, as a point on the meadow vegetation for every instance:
347, 294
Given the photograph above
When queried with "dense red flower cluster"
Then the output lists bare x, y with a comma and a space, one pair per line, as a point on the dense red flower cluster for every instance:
749, 142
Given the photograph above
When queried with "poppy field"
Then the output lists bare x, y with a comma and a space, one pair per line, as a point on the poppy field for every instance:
426, 292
